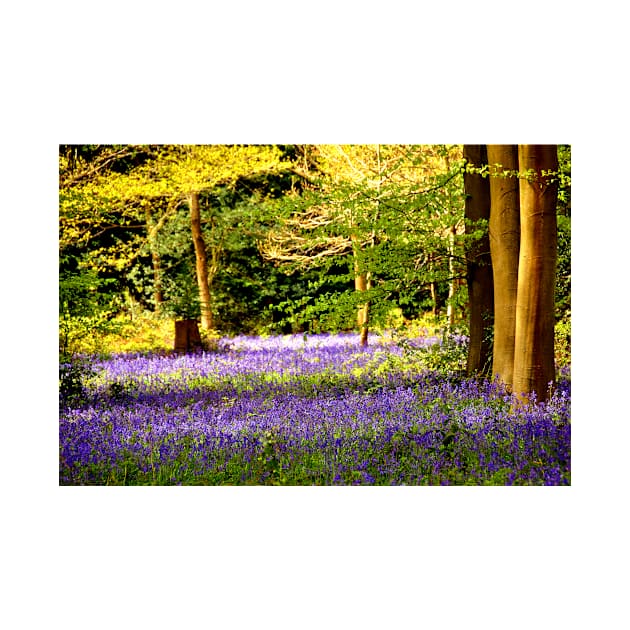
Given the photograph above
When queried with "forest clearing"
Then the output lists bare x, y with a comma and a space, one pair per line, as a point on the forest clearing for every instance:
343, 314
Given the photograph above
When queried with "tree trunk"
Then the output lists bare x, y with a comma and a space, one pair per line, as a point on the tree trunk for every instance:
504, 234
187, 336
534, 367
201, 263
361, 285
452, 282
433, 288
158, 295
362, 278
479, 265
450, 306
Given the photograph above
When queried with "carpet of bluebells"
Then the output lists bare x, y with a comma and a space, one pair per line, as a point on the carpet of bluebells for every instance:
296, 410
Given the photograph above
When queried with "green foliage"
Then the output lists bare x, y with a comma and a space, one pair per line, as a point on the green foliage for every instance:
563, 272
182, 297
564, 180
124, 210
393, 213
85, 312
563, 268
144, 333
562, 341
73, 377
447, 356
382, 212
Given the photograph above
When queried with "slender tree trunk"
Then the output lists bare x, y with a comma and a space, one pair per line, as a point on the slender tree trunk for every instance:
201, 263
504, 233
479, 265
450, 306
433, 289
158, 295
362, 278
452, 282
361, 285
534, 367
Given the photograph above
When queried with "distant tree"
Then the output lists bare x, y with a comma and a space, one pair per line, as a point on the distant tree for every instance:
337, 219
147, 195
392, 213
191, 169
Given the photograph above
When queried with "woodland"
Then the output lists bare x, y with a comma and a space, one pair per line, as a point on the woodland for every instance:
314, 314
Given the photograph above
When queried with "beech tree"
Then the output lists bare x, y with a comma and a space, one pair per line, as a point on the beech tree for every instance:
201, 262
523, 181
534, 369
504, 235
478, 261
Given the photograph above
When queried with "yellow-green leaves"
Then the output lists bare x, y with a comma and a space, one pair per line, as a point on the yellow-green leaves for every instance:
100, 198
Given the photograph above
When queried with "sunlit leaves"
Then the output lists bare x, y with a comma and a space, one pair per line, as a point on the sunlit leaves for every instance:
136, 203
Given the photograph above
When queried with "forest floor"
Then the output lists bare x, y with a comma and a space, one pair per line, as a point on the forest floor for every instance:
305, 410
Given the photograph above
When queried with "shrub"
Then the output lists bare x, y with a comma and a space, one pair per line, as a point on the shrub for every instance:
445, 352
562, 342
73, 376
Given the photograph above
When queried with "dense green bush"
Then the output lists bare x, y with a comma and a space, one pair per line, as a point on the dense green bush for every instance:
73, 376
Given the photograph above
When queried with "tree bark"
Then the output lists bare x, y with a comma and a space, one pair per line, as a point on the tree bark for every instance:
450, 306
201, 260
504, 235
452, 282
435, 309
534, 367
187, 337
158, 295
361, 285
362, 278
479, 265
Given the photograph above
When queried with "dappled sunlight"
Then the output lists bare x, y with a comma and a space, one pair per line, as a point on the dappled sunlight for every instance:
285, 410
